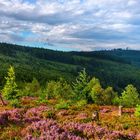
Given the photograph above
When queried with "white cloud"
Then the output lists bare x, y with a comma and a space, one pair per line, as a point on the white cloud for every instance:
94, 23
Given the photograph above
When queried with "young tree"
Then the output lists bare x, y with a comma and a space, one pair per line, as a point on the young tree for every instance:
96, 92
99, 95
59, 89
108, 96
88, 89
80, 84
10, 91
130, 96
31, 89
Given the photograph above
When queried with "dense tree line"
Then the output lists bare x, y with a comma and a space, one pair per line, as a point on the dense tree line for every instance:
116, 68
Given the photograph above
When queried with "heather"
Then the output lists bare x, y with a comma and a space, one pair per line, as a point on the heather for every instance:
65, 111
36, 123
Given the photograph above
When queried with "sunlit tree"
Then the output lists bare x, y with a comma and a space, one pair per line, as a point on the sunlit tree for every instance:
10, 88
130, 96
80, 84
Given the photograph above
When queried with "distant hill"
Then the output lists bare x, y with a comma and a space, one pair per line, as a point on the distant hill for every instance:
116, 68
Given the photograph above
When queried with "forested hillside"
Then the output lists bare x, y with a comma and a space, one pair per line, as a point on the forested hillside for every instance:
116, 68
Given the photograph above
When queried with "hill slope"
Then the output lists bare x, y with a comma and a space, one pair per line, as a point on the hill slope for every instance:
116, 68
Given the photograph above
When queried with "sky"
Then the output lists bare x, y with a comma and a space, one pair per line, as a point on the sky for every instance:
79, 25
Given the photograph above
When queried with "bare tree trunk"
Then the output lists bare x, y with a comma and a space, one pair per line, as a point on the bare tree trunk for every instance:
3, 103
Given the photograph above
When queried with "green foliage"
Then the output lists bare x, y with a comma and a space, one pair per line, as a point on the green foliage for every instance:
10, 91
88, 89
137, 111
99, 95
31, 89
108, 96
116, 101
15, 103
62, 104
80, 84
42, 98
96, 91
59, 89
115, 67
42, 101
81, 103
130, 96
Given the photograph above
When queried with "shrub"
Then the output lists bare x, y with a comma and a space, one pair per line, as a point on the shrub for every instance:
15, 103
59, 89
62, 105
42, 98
42, 101
116, 101
88, 89
81, 103
108, 96
137, 112
130, 96
96, 92
31, 89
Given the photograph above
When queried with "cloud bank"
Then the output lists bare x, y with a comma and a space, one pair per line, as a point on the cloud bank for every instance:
71, 24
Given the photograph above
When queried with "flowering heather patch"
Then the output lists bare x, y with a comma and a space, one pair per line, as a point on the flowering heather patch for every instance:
47, 130
4, 117
35, 114
35, 124
50, 130
96, 132
14, 115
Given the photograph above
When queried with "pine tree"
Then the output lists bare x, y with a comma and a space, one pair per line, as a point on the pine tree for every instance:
80, 84
10, 88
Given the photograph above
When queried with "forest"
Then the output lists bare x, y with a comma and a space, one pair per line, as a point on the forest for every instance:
116, 68
80, 109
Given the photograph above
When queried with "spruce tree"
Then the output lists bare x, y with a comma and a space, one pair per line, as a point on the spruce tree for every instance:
10, 88
80, 84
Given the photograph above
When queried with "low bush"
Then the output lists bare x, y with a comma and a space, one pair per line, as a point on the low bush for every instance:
62, 104
15, 103
59, 89
81, 103
137, 112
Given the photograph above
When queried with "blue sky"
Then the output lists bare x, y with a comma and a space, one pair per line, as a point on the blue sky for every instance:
82, 25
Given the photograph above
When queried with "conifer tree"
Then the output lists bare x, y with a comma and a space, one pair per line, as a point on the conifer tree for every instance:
80, 84
10, 88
